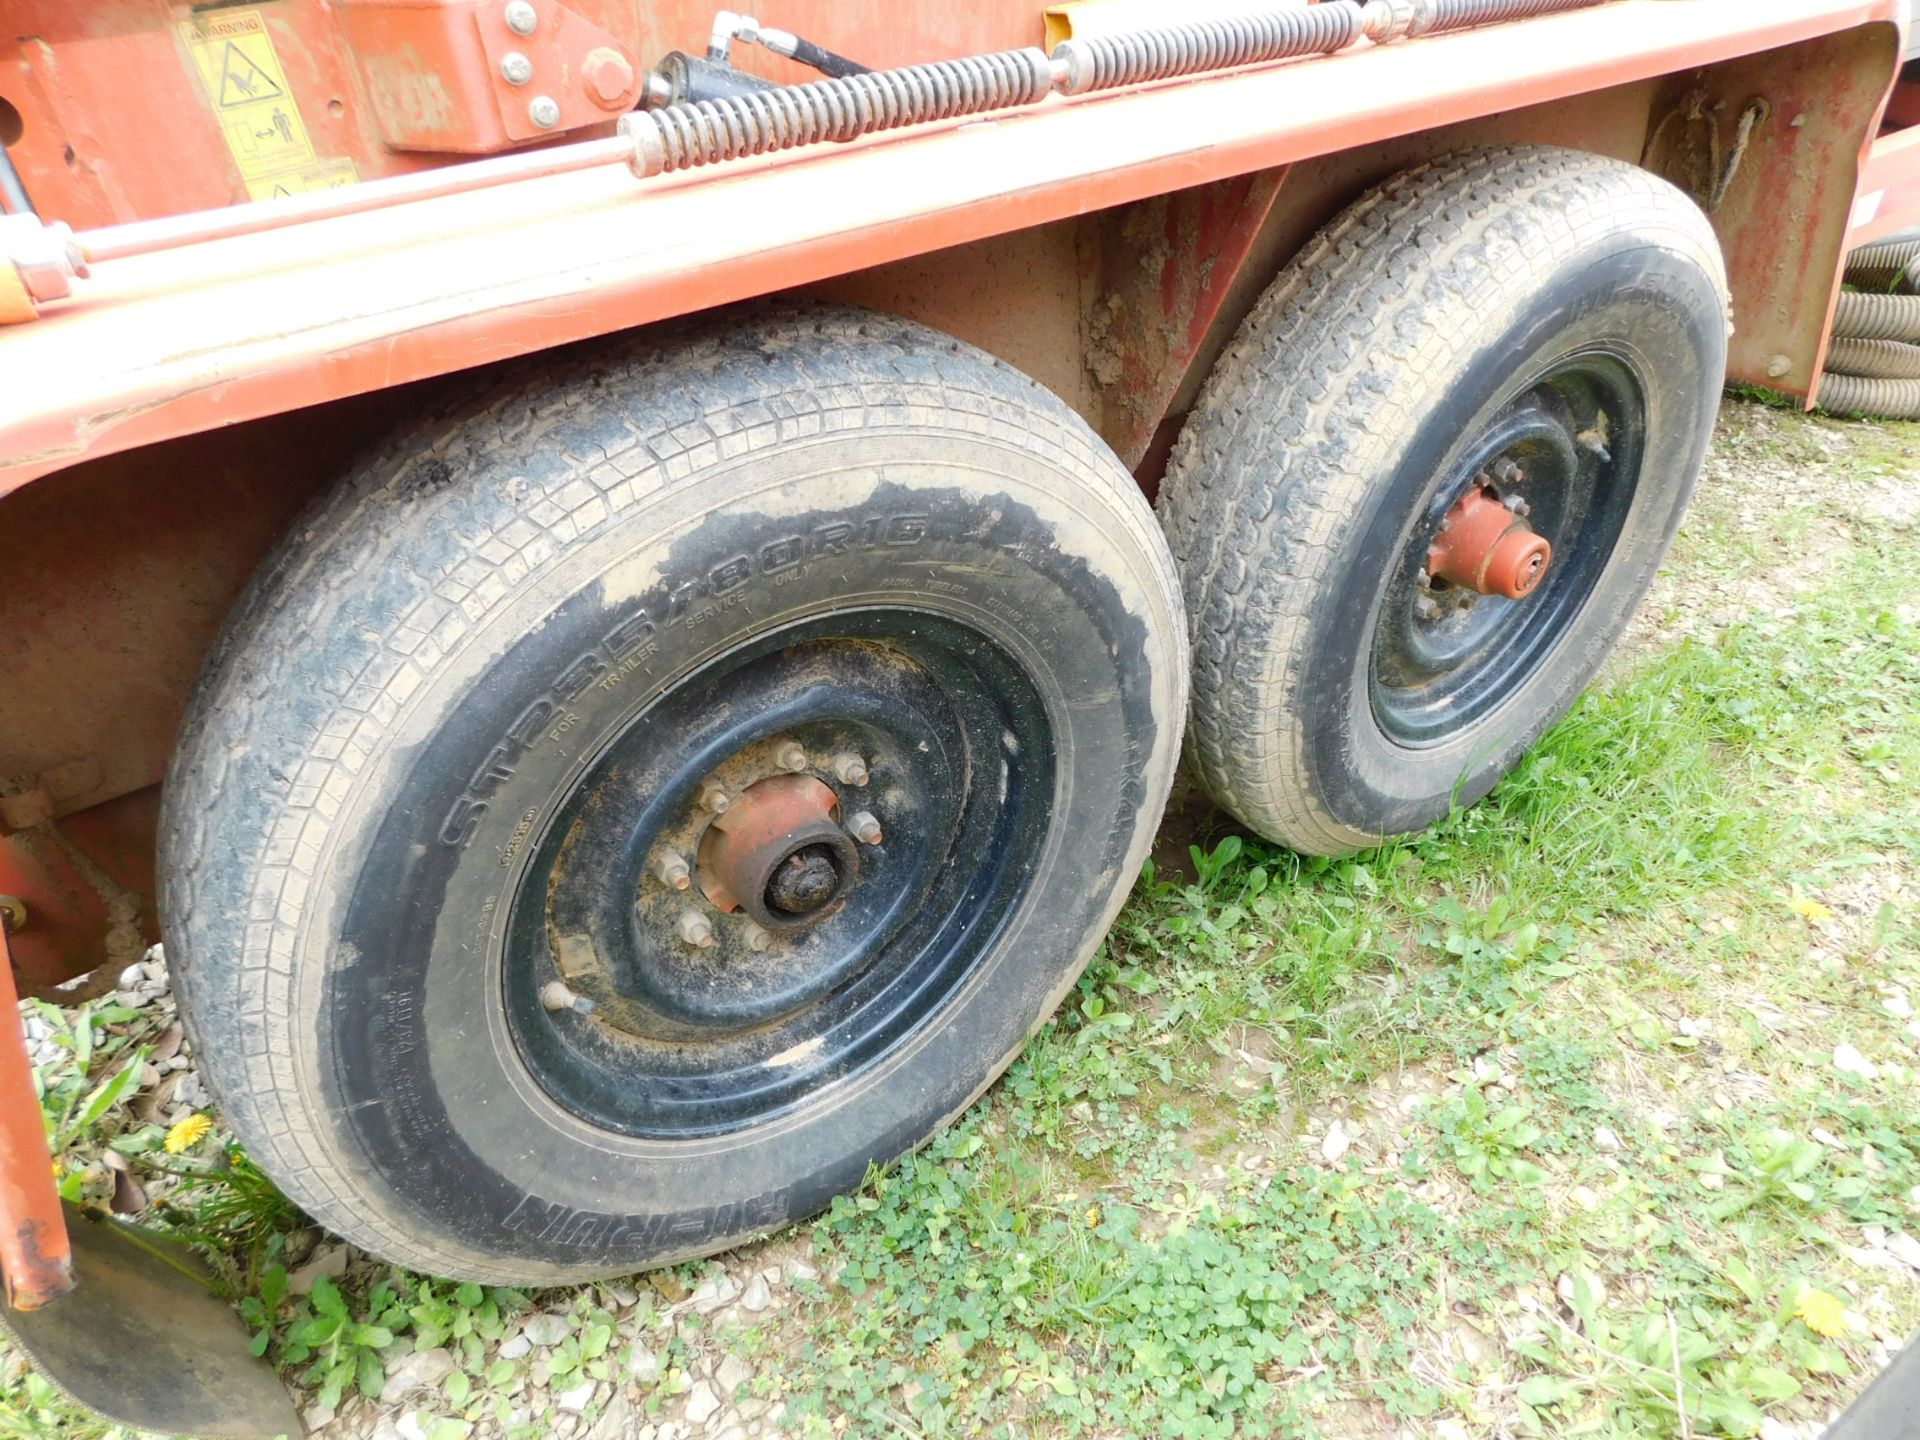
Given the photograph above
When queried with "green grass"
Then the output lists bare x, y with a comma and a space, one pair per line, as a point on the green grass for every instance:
1603, 1171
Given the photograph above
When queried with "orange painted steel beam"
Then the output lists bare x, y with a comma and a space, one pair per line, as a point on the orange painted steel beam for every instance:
163, 345
35, 1254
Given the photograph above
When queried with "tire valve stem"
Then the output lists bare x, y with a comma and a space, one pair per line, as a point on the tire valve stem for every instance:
863, 827
694, 929
849, 768
673, 870
713, 798
556, 995
791, 757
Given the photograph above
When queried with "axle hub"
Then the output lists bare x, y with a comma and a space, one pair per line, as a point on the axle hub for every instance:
777, 854
1487, 548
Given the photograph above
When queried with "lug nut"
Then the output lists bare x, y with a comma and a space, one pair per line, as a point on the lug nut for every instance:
757, 939
555, 995
713, 798
520, 17
694, 929
1507, 473
791, 756
673, 870
863, 827
849, 768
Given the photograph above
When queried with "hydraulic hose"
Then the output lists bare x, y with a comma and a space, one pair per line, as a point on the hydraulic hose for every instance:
1889, 399
1874, 359
1861, 316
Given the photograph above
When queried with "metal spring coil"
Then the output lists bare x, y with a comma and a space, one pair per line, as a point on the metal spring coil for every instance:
680, 137
1463, 14
1127, 59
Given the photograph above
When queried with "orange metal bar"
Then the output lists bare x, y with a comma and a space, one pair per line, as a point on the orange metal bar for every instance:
34, 1251
166, 344
1889, 193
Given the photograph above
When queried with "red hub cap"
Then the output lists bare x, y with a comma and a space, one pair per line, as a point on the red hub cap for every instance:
1485, 547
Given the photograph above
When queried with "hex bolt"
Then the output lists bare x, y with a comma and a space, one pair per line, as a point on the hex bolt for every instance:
849, 768
1507, 473
694, 929
672, 868
713, 798
520, 17
556, 995
544, 111
791, 756
757, 939
515, 68
863, 827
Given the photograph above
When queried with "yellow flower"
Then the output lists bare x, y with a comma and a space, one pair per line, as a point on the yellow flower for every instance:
187, 1133
1823, 1313
1808, 909
1093, 1216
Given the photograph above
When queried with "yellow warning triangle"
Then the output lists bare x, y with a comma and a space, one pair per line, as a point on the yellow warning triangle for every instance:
242, 80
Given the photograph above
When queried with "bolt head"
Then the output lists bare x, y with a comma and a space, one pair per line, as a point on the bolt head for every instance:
544, 111
520, 17
850, 769
715, 799
515, 68
673, 870
791, 756
608, 76
864, 827
694, 929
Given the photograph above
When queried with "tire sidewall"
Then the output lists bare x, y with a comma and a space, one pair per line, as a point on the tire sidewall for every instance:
1648, 305
409, 1059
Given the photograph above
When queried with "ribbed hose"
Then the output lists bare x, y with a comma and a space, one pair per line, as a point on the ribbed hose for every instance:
1860, 316
1463, 14
1889, 399
1874, 359
1104, 61
1891, 265
680, 137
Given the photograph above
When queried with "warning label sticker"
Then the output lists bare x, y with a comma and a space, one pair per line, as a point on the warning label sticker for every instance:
254, 106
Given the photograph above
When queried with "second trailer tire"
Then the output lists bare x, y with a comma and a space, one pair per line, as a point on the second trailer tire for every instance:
796, 693
1500, 342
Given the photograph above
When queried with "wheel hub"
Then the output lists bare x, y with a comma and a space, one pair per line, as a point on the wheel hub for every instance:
777, 854
1488, 548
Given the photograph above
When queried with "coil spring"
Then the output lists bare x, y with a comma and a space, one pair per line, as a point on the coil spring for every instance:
1463, 14
680, 137
1103, 61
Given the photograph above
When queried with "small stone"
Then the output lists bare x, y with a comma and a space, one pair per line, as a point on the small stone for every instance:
410, 1427
702, 1403
1336, 1144
328, 1260
1827, 1138
422, 1370
1772, 1429
801, 1273
131, 977
1850, 1061
515, 1347
545, 1329
1898, 1005
1605, 1139
1904, 1248
713, 1294
623, 1295
385, 1429
732, 1373
771, 1274
1712, 1180
616, 1421
643, 1367
757, 1296
577, 1399
1585, 1197
316, 1416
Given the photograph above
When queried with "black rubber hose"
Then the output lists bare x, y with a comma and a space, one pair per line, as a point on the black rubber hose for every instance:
818, 57
1888, 399
1874, 359
1860, 316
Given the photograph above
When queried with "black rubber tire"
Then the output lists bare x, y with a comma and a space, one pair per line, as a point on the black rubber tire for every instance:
489, 552
1320, 435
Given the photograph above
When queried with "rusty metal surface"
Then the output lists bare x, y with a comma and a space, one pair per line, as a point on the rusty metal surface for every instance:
87, 883
1780, 194
34, 1253
101, 1345
166, 344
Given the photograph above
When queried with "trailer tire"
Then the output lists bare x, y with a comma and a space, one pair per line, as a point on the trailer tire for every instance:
1502, 298
462, 723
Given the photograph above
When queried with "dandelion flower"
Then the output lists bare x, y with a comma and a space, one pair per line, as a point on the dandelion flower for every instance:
186, 1133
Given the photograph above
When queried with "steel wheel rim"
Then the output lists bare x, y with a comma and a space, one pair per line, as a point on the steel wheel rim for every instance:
1440, 663
685, 1040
